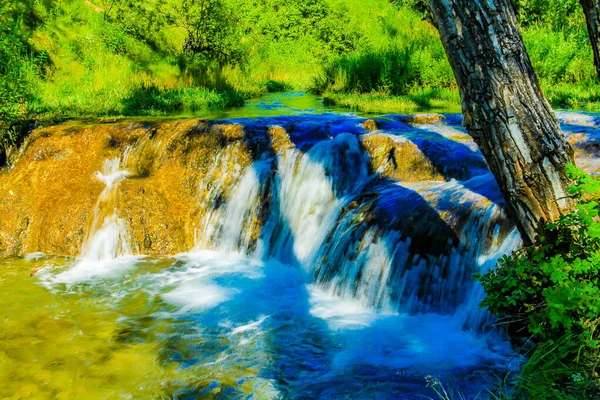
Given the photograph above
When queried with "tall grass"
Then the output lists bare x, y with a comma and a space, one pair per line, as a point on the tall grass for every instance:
403, 57
558, 370
563, 61
378, 56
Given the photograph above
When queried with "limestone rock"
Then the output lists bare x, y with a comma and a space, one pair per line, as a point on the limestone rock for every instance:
398, 160
370, 125
47, 200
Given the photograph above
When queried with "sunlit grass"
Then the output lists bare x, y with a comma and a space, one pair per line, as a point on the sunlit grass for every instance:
438, 100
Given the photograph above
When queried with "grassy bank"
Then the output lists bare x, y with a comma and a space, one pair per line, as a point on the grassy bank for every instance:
427, 100
73, 58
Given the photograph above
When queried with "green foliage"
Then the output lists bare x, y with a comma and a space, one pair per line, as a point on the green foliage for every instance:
19, 66
427, 100
553, 288
557, 370
563, 15
70, 58
405, 57
152, 100
210, 30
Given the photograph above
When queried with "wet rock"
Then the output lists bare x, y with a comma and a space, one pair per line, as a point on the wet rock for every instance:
280, 140
398, 159
424, 119
231, 132
370, 125
55, 188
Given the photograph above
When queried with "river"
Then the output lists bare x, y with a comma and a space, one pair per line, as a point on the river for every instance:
326, 256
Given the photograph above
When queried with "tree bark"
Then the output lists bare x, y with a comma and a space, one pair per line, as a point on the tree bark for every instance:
591, 8
505, 111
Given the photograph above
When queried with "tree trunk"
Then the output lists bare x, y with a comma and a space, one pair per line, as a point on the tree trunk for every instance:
505, 111
592, 16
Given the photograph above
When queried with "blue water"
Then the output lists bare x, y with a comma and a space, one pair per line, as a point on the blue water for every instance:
360, 287
230, 318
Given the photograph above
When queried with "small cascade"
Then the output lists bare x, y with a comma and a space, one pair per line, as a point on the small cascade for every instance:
110, 241
235, 225
107, 250
309, 191
365, 268
376, 257
469, 315
223, 173
108, 238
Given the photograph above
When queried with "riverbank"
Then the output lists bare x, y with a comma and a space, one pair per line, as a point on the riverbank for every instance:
131, 60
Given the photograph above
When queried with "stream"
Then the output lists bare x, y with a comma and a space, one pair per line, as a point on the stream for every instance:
318, 268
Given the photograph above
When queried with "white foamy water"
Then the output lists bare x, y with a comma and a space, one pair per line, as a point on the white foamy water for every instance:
212, 190
108, 252
307, 273
229, 228
310, 189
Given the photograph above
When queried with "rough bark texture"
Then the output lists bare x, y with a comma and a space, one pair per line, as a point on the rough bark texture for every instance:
592, 16
504, 109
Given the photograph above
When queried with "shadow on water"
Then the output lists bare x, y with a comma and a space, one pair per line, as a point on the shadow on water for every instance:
453, 159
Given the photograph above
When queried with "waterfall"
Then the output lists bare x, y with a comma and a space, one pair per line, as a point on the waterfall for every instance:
233, 226
108, 238
310, 189
300, 252
315, 201
417, 267
384, 244
107, 250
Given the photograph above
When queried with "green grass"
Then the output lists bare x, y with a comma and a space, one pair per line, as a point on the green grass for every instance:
68, 61
429, 100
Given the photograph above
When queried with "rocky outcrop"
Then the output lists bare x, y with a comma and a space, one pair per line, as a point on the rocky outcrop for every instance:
48, 198
398, 159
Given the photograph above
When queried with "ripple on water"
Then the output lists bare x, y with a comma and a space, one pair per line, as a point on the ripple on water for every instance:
211, 324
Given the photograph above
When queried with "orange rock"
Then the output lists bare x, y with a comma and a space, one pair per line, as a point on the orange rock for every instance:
370, 125
402, 161
424, 119
47, 200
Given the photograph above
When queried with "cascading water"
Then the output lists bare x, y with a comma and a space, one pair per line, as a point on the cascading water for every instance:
309, 191
312, 273
419, 267
107, 249
232, 225
108, 237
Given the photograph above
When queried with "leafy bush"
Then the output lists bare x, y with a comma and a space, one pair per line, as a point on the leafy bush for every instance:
19, 66
553, 288
405, 57
557, 15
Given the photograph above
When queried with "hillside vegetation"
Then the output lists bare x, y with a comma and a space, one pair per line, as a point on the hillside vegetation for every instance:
73, 58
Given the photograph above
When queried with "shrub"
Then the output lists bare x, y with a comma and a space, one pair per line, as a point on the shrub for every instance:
19, 66
552, 289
